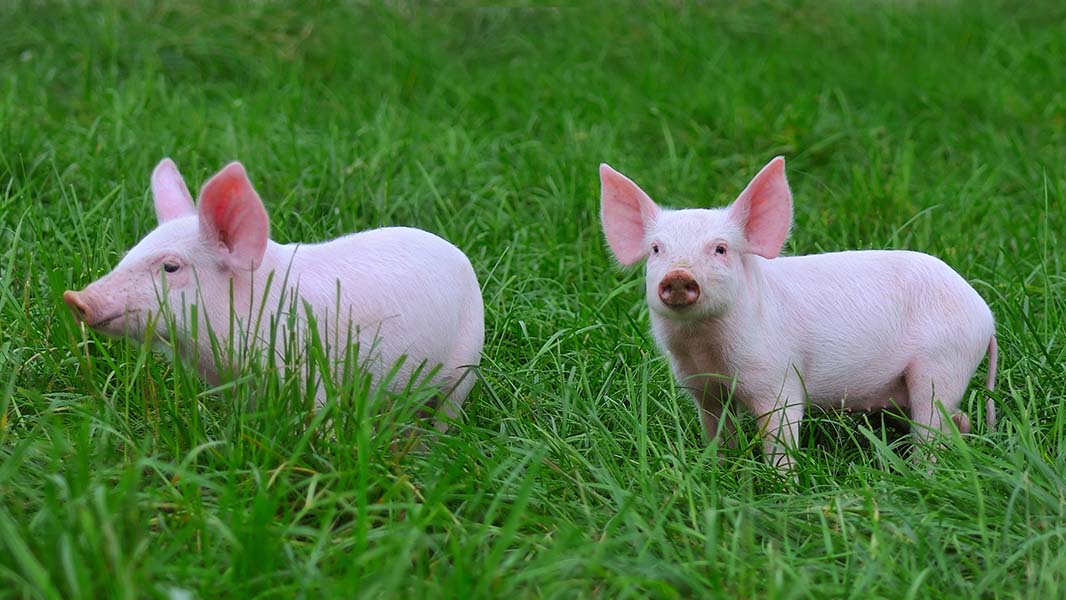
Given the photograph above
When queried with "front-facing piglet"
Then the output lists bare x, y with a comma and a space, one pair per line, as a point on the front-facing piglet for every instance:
401, 296
743, 326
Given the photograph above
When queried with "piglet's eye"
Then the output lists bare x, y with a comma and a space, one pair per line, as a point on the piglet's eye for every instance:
655, 248
720, 249
170, 267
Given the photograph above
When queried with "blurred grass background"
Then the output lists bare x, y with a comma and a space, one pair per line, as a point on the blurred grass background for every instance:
580, 470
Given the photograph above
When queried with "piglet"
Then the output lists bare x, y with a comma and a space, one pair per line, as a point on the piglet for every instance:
744, 326
401, 296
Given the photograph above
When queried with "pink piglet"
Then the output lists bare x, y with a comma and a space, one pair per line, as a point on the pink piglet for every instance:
743, 326
407, 300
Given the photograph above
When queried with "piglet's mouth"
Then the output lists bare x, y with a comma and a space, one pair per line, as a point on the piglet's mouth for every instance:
102, 323
118, 323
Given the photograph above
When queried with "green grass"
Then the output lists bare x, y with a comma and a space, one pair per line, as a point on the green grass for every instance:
580, 469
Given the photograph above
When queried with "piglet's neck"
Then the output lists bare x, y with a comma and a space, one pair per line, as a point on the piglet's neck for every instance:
255, 298
265, 283
278, 258
751, 285
277, 268
755, 315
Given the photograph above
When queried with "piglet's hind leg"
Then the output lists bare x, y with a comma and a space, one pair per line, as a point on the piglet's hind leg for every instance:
936, 389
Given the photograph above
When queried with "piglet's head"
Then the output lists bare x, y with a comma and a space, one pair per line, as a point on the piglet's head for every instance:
189, 259
695, 257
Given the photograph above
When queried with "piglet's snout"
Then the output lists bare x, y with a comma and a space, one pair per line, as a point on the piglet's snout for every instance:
78, 306
678, 289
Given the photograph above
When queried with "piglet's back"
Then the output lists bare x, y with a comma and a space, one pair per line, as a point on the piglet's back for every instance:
871, 278
403, 290
891, 298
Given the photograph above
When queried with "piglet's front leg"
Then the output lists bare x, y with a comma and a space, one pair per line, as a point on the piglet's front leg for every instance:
713, 405
779, 418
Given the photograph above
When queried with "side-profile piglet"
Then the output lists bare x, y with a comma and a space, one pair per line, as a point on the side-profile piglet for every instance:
743, 326
402, 296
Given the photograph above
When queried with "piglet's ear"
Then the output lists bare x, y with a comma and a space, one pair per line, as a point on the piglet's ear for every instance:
764, 210
169, 193
233, 218
626, 212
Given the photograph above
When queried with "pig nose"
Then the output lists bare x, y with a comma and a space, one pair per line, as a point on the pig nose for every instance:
77, 305
678, 289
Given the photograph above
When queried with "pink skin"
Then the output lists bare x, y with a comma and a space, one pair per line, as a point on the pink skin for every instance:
403, 293
854, 330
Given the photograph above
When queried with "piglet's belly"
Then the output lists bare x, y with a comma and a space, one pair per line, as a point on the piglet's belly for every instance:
862, 397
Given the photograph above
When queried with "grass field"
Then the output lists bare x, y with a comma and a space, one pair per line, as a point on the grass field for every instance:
580, 469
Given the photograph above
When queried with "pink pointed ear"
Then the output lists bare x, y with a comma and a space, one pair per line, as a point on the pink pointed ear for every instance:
626, 212
171, 197
232, 217
764, 210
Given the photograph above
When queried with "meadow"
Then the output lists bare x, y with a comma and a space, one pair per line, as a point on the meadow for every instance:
579, 469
